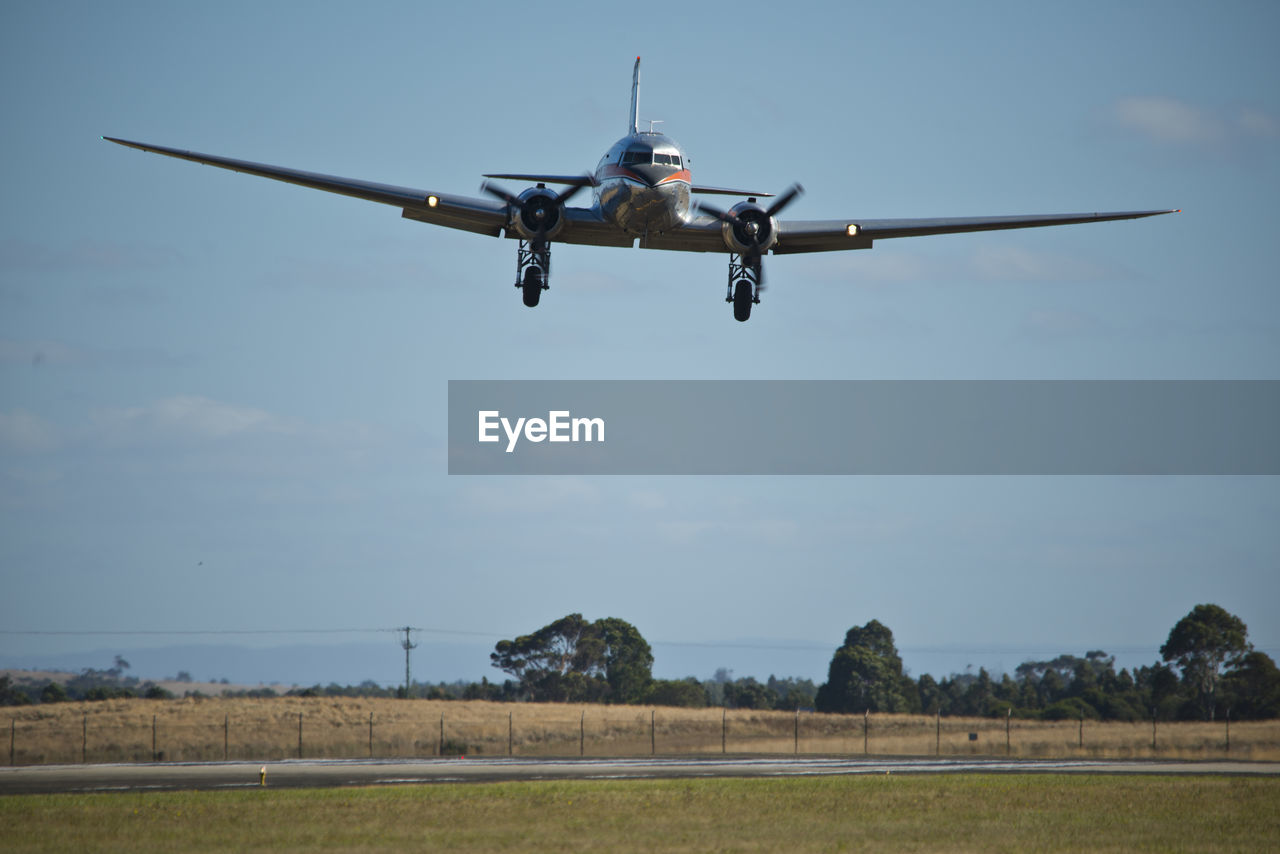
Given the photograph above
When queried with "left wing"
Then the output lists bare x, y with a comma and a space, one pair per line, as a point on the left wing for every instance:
703, 233
828, 235
479, 215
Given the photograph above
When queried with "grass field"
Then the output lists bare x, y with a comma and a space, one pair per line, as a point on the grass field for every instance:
266, 729
898, 813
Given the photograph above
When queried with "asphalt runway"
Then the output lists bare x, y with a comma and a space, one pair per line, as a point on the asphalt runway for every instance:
314, 773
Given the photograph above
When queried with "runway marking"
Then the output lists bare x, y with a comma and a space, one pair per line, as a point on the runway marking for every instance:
307, 773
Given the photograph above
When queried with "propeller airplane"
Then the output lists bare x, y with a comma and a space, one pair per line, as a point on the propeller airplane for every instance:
642, 192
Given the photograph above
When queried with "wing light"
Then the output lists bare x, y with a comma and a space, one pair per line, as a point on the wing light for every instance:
852, 230
432, 201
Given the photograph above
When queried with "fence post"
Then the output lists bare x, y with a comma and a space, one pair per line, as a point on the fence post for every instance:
1007, 720
724, 729
371, 735
1228, 732
299, 735
84, 739
1081, 741
226, 736
441, 750
155, 757
13, 726
866, 724
582, 733
510, 734
653, 739
937, 745
1153, 729
797, 750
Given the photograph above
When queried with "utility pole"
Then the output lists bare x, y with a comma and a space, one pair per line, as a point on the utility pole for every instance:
408, 645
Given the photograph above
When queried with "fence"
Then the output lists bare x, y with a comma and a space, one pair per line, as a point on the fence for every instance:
287, 728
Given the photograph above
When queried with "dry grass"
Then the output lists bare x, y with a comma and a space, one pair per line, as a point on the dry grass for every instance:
262, 729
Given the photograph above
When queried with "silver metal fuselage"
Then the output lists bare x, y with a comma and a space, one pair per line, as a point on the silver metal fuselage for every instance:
643, 184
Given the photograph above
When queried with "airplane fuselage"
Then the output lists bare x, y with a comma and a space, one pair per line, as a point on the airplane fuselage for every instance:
643, 184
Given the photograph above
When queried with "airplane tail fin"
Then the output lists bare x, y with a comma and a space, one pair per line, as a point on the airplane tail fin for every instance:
635, 98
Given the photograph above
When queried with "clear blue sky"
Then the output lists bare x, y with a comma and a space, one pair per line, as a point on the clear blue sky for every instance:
222, 399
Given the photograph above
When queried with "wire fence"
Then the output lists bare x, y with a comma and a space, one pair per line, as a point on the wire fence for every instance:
181, 731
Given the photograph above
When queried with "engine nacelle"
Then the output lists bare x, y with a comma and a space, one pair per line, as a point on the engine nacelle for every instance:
753, 232
540, 214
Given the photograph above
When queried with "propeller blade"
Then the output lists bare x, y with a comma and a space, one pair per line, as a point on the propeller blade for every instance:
723, 216
495, 190
785, 199
568, 194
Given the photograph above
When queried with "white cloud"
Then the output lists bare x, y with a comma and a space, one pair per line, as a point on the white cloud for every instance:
1167, 120
1171, 121
555, 495
190, 417
1015, 263
22, 431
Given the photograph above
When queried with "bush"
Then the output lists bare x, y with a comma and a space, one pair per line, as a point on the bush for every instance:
53, 693
1069, 709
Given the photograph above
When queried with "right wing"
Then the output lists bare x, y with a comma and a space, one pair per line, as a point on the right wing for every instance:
483, 216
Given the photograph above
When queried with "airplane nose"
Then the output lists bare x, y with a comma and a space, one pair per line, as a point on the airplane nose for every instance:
652, 173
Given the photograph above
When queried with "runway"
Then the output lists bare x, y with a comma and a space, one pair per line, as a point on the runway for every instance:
313, 773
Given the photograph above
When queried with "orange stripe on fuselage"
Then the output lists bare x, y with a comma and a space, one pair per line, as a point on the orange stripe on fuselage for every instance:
615, 171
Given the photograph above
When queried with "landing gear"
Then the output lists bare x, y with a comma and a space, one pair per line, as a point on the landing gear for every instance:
745, 284
532, 285
742, 301
533, 267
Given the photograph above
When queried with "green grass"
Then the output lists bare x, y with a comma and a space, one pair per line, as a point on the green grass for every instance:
900, 813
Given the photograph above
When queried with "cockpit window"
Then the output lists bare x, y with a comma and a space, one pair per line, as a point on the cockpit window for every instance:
636, 157
662, 159
675, 160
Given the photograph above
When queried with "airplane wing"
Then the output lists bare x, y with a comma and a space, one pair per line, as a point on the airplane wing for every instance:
829, 235
704, 233
483, 216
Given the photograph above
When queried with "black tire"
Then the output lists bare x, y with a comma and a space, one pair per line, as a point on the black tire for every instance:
532, 287
742, 301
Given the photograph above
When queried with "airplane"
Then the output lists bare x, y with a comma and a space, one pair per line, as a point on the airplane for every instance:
641, 196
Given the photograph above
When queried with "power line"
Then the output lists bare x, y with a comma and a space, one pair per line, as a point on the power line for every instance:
783, 646
180, 632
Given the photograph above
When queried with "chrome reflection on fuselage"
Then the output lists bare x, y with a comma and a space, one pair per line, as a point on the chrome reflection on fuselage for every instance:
643, 184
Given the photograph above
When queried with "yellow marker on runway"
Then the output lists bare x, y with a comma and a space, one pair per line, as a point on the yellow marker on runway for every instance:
262, 776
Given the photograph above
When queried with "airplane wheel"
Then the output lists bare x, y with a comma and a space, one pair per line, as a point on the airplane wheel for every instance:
742, 301
532, 286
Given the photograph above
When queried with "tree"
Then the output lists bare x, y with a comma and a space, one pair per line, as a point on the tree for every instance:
1201, 644
1252, 688
628, 661
747, 693
865, 673
687, 692
53, 693
573, 660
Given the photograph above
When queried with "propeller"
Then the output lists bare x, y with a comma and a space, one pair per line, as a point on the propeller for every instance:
539, 213
748, 228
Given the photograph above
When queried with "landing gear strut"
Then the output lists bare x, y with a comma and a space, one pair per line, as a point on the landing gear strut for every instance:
533, 268
745, 284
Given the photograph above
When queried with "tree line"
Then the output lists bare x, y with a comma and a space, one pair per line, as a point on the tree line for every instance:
1208, 669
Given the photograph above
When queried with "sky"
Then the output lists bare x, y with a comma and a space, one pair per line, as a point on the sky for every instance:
223, 399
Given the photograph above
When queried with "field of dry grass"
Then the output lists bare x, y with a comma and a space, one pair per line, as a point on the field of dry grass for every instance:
320, 727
